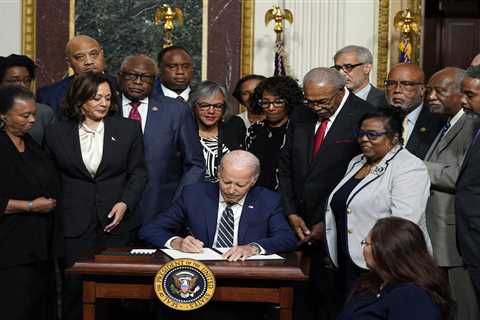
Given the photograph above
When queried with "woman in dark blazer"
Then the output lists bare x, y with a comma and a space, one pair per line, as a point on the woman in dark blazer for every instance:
101, 161
404, 281
30, 226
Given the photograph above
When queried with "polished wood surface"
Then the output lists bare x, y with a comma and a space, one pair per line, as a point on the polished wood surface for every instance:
114, 274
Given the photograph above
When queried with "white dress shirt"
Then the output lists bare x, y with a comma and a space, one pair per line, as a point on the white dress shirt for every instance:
172, 94
333, 116
454, 119
411, 120
91, 146
142, 109
363, 93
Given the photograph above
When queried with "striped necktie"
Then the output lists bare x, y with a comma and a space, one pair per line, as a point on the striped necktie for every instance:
225, 229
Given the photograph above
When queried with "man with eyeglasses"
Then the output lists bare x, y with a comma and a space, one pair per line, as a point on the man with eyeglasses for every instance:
355, 62
444, 159
172, 151
405, 86
320, 144
467, 197
83, 54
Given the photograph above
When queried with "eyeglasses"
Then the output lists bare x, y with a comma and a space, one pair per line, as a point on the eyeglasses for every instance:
246, 93
407, 85
371, 135
348, 67
276, 104
206, 106
26, 81
364, 243
134, 76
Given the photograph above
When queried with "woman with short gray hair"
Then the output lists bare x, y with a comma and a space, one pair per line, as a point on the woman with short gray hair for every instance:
209, 105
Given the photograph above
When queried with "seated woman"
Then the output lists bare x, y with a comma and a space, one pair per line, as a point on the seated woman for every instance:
404, 282
30, 224
20, 70
277, 97
385, 180
209, 106
101, 161
243, 93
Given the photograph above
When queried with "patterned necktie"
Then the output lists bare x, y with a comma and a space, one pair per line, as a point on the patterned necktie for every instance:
444, 130
225, 229
319, 137
405, 126
180, 98
134, 114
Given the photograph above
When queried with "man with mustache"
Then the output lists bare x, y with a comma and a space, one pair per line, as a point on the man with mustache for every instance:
405, 86
467, 195
83, 54
172, 150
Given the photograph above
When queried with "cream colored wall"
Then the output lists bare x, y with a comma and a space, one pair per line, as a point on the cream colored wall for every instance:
10, 27
320, 28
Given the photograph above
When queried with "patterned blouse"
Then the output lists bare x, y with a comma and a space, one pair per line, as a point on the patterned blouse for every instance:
210, 153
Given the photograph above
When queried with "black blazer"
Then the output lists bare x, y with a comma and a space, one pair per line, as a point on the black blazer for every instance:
121, 175
426, 128
376, 97
27, 237
305, 183
467, 214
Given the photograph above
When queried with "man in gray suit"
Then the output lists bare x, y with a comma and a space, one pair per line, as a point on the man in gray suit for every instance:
355, 63
444, 160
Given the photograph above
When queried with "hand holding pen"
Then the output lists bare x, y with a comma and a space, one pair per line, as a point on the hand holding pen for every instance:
188, 244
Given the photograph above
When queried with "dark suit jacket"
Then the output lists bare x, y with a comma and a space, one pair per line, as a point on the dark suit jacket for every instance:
394, 302
44, 117
24, 236
426, 128
305, 183
232, 133
262, 219
121, 175
376, 97
173, 153
53, 94
467, 200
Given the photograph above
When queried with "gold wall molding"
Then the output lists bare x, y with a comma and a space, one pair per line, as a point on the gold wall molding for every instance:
382, 55
247, 37
204, 71
29, 29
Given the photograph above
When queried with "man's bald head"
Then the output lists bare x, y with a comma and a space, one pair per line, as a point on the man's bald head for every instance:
84, 54
443, 92
405, 86
475, 60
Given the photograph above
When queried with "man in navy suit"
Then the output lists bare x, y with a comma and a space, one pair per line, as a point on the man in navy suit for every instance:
175, 71
83, 54
172, 149
231, 213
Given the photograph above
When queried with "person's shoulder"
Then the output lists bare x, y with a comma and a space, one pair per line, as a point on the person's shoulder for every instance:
59, 85
406, 159
43, 109
410, 294
361, 106
265, 194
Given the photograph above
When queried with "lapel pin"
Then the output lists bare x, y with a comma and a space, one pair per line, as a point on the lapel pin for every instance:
154, 109
423, 129
113, 139
250, 207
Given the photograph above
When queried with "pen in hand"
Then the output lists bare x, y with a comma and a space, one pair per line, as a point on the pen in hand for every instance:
191, 244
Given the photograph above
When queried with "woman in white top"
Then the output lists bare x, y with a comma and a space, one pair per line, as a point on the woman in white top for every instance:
385, 180
101, 161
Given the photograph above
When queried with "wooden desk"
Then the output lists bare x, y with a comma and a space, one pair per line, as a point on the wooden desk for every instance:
131, 277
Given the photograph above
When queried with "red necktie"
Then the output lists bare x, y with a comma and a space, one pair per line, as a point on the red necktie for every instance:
319, 136
134, 114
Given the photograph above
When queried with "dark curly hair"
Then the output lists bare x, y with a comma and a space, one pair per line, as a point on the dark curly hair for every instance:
284, 87
237, 92
400, 255
392, 116
16, 60
83, 88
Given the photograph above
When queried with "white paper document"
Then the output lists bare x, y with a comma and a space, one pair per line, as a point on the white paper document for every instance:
207, 254
214, 254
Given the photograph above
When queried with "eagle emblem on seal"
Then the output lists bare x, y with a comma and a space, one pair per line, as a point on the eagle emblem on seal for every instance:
184, 284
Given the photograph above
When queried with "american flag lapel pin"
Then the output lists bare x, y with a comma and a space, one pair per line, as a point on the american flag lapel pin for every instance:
250, 206
154, 109
113, 139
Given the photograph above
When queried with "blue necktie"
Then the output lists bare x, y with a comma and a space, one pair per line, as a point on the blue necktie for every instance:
225, 229
444, 129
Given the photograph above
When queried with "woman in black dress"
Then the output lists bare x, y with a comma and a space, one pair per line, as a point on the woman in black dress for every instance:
276, 97
30, 227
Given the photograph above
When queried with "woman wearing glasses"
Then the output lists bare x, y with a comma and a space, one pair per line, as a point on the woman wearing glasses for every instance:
385, 180
276, 97
403, 282
209, 106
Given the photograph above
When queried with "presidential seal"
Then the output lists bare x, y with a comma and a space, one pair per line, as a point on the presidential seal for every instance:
184, 284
